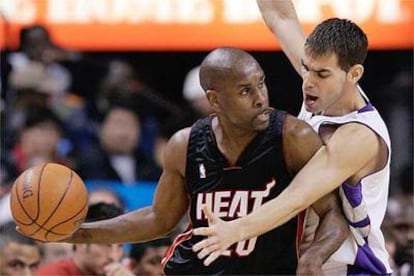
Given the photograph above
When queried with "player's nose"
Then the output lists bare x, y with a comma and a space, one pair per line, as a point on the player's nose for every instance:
26, 271
308, 82
116, 252
260, 98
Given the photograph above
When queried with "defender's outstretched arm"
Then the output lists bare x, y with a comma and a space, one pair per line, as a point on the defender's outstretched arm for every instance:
281, 18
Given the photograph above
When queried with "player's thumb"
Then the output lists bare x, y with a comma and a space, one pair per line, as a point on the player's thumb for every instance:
19, 230
211, 218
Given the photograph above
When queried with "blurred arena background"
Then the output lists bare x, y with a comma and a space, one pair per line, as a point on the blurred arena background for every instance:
73, 71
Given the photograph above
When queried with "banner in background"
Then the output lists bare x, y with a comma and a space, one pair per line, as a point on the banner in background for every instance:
102, 25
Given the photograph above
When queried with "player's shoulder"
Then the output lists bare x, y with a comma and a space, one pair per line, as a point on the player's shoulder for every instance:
297, 128
176, 150
179, 140
300, 142
181, 136
355, 129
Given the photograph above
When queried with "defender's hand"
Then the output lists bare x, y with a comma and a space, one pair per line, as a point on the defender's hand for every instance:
220, 236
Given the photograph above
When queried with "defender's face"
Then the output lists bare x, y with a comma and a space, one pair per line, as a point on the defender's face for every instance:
323, 83
244, 100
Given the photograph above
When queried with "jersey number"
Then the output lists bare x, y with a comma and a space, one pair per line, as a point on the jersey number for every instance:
243, 248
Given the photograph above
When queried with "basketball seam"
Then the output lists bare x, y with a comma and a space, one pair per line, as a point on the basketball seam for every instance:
50, 230
57, 206
28, 180
38, 190
38, 201
33, 221
24, 210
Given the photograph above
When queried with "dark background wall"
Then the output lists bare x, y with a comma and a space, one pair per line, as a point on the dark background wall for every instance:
165, 72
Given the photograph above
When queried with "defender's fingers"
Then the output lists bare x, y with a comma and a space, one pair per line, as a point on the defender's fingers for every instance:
207, 251
203, 231
209, 214
212, 257
202, 244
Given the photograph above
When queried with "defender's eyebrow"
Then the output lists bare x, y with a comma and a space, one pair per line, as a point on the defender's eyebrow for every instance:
322, 70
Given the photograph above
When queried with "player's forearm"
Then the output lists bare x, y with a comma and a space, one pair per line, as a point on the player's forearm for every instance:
280, 17
140, 225
330, 234
269, 216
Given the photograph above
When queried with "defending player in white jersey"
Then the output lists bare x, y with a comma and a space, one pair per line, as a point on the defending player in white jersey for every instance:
355, 158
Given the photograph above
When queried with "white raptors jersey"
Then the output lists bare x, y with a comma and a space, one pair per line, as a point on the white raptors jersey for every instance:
363, 204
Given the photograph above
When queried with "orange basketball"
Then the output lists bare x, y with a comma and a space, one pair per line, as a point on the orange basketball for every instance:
49, 202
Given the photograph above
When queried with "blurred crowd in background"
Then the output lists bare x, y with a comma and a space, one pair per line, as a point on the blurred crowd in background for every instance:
108, 116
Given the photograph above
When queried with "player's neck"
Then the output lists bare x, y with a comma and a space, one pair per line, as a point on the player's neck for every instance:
351, 101
231, 141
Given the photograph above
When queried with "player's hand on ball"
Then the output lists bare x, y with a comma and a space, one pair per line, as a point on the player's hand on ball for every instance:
48, 202
220, 236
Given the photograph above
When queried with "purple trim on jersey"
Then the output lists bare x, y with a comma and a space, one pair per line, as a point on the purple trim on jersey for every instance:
353, 193
362, 223
366, 263
367, 107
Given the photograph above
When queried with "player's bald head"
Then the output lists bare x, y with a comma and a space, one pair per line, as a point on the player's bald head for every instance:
222, 64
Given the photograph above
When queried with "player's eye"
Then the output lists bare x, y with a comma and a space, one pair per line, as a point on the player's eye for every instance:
17, 265
245, 91
261, 84
323, 75
34, 266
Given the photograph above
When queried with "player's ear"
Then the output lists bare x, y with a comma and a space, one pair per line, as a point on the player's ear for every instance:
212, 98
355, 73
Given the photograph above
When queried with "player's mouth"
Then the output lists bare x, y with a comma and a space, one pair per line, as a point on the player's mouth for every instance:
263, 117
310, 100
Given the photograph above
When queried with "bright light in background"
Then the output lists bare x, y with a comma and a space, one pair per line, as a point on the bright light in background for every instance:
195, 24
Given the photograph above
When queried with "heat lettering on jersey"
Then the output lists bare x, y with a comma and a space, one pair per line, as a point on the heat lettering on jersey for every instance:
233, 204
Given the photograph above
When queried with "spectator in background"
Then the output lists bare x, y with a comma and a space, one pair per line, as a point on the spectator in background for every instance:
400, 213
92, 259
38, 79
118, 156
8, 173
54, 251
390, 243
145, 258
32, 90
41, 140
19, 255
39, 54
122, 84
194, 94
105, 195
